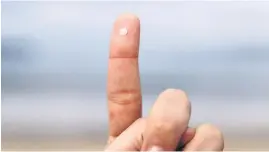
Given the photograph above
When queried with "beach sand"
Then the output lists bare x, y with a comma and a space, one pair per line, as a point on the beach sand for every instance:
233, 142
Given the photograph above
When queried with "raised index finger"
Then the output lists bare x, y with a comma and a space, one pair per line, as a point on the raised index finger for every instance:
123, 86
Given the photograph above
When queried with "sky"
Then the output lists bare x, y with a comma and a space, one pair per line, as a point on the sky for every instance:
201, 23
77, 33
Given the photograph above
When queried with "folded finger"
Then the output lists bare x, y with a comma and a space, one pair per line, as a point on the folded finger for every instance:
206, 138
167, 121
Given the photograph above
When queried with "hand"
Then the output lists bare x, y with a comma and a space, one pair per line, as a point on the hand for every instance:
167, 123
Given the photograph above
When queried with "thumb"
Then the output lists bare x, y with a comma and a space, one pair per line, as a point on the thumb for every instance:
132, 138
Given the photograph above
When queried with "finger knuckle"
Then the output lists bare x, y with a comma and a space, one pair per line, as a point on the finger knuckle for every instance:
175, 103
125, 96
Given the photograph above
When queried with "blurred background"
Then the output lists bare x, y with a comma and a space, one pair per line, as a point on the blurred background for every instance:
55, 56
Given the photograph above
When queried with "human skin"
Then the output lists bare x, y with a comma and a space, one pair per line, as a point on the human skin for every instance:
168, 119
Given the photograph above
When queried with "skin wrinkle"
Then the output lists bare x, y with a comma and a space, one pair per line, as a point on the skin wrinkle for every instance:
120, 89
127, 95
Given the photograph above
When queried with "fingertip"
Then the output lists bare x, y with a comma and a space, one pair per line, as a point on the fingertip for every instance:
125, 37
128, 21
175, 93
174, 99
129, 17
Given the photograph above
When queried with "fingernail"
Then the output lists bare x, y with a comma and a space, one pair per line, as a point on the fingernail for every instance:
155, 148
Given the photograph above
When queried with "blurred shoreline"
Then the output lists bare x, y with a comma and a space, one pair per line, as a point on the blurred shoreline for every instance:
78, 121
